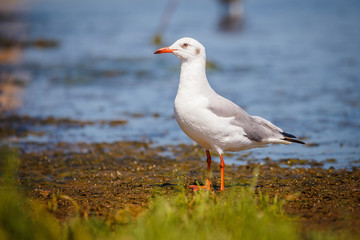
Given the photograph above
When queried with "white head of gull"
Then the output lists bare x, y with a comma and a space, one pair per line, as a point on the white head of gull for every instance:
211, 120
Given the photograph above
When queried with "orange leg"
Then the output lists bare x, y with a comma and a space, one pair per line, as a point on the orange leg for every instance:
208, 167
222, 165
208, 183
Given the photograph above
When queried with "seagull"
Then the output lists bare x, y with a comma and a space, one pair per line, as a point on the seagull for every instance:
214, 122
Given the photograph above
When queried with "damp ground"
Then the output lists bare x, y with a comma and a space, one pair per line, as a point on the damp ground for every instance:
103, 178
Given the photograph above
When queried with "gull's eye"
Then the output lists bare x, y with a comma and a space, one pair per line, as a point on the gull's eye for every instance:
185, 45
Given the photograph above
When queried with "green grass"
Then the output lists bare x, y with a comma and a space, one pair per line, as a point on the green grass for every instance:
237, 213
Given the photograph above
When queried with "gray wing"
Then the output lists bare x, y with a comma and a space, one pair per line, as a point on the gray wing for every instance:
255, 128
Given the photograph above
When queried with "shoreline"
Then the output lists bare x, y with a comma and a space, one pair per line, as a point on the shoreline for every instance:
104, 178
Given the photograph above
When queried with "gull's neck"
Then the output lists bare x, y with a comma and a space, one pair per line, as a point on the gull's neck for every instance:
193, 79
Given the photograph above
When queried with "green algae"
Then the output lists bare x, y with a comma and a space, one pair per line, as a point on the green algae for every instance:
22, 126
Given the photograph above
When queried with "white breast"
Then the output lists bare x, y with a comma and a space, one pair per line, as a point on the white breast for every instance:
205, 128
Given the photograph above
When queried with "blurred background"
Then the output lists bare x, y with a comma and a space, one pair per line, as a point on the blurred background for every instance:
295, 63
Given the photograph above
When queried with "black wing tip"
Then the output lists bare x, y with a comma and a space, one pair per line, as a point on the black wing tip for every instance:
291, 138
288, 135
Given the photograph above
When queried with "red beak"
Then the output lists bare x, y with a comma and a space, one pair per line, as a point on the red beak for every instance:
164, 50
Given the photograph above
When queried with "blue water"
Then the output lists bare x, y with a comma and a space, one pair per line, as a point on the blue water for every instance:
295, 63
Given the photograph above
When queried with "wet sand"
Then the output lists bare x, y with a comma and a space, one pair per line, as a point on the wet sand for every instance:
106, 177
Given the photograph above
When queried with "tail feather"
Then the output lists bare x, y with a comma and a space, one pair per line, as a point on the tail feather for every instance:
291, 138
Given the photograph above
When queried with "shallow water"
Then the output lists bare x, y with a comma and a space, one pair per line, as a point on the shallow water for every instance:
295, 63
